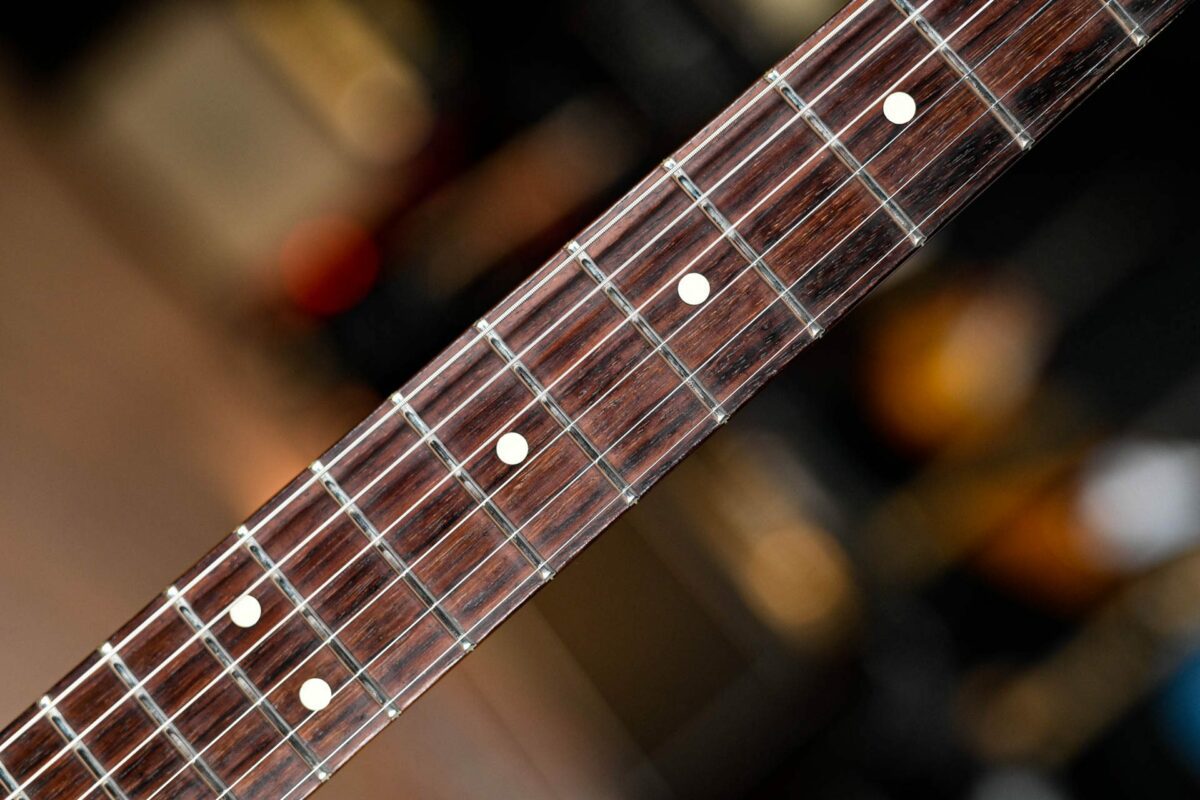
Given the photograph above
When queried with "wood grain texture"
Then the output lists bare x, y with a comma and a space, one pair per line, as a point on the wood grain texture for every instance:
1039, 58
1154, 15
793, 200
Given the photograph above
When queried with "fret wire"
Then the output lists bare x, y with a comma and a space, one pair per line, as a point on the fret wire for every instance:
834, 31
643, 326
15, 734
165, 725
1128, 24
552, 407
743, 247
785, 345
1000, 111
529, 291
314, 620
81, 750
252, 692
389, 554
856, 167
732, 172
10, 784
472, 487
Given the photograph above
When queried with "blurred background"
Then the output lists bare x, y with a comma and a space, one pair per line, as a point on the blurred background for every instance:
954, 551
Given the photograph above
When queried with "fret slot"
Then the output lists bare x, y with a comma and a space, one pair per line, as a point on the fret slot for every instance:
389, 554
323, 631
859, 171
163, 721
472, 488
239, 677
552, 407
1128, 24
997, 109
10, 785
81, 751
742, 246
618, 299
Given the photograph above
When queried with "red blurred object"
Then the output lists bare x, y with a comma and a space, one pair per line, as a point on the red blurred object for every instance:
328, 264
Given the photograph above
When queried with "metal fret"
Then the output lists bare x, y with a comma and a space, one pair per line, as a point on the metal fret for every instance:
389, 554
997, 109
472, 487
81, 751
9, 784
1128, 24
319, 626
859, 170
815, 329
239, 676
618, 299
163, 721
555, 410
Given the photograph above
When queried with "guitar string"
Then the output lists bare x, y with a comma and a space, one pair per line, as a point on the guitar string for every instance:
697, 149
353, 735
685, 323
523, 582
652, 355
366, 433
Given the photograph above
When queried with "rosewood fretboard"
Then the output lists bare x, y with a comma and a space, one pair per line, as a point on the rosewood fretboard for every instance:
269, 663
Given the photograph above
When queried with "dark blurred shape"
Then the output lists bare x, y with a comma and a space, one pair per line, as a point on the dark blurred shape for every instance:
47, 40
1179, 712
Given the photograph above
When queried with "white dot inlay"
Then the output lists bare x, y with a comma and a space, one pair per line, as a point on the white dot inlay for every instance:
315, 694
693, 288
511, 448
899, 107
245, 611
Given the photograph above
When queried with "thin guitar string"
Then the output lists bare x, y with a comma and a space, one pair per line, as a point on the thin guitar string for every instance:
524, 581
504, 600
895, 82
696, 150
652, 354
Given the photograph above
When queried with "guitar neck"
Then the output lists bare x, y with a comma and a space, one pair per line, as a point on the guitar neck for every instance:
301, 635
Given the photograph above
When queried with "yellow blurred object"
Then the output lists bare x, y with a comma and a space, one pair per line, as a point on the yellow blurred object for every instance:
745, 498
363, 89
1048, 712
796, 578
946, 364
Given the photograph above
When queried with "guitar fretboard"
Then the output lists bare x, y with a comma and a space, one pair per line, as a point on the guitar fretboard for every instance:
299, 637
